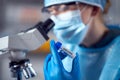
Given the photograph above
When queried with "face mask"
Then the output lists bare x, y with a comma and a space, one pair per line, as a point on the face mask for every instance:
69, 27
66, 19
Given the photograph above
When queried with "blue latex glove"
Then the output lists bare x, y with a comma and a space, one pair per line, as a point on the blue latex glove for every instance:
53, 67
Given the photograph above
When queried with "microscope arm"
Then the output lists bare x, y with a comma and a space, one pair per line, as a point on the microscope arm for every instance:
22, 43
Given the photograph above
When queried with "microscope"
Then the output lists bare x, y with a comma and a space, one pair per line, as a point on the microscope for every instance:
20, 44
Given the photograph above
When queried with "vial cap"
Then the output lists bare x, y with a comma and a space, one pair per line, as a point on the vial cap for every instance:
58, 45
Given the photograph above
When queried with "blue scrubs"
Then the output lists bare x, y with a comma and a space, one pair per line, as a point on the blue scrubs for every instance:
94, 60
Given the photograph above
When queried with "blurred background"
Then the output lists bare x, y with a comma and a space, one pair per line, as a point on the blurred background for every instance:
19, 15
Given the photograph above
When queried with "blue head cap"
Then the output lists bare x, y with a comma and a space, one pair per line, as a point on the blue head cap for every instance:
98, 3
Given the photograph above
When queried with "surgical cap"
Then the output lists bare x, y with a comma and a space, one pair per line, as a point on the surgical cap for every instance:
98, 3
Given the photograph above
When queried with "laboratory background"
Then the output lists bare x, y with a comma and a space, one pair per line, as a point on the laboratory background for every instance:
19, 15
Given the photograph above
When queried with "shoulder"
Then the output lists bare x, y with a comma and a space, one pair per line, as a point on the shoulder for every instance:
117, 26
116, 43
117, 40
113, 62
115, 32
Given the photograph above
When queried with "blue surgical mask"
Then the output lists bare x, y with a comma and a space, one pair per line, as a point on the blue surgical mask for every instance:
69, 27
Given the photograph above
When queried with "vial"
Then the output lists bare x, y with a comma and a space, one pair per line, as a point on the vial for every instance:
64, 51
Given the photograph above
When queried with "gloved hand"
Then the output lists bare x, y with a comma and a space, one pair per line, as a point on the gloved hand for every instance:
53, 67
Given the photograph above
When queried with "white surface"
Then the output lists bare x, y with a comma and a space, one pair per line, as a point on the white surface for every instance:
4, 42
29, 41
